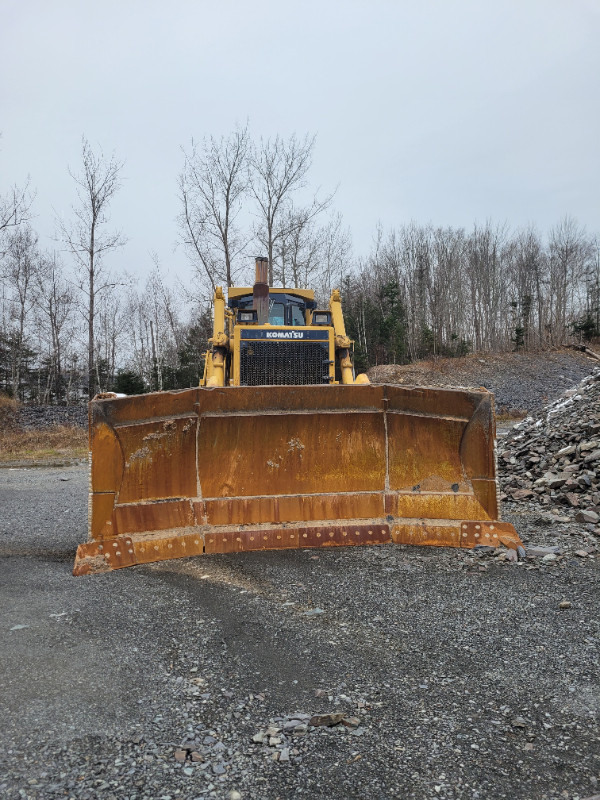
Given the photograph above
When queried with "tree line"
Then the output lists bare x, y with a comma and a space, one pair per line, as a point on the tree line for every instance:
69, 327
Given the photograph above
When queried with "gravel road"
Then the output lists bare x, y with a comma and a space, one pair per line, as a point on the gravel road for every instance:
457, 675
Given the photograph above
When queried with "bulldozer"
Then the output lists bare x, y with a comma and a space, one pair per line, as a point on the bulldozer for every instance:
283, 446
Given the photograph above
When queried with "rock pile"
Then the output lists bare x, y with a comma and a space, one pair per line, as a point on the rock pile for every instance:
48, 416
555, 459
520, 382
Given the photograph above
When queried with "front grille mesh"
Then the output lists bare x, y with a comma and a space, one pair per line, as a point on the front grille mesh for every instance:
283, 363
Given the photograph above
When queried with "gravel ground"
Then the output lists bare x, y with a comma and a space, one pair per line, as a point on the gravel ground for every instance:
457, 675
521, 382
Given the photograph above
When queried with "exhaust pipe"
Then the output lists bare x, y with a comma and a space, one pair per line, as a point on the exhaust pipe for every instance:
260, 290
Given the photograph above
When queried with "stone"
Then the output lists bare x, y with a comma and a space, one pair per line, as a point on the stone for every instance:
521, 494
325, 719
313, 612
564, 604
566, 451
519, 722
484, 550
581, 553
180, 755
218, 768
538, 551
234, 795
556, 481
587, 515
284, 755
351, 722
550, 557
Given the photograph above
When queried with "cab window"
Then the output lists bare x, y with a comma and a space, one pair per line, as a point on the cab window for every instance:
297, 315
276, 313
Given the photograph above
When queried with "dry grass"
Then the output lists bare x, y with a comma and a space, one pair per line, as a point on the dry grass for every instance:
32, 444
8, 410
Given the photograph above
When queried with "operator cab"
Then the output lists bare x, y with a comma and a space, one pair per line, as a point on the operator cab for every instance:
284, 308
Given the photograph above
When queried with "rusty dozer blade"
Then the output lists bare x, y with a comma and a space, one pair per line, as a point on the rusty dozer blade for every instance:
231, 469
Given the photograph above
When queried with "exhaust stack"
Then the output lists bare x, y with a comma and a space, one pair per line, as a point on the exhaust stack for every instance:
260, 290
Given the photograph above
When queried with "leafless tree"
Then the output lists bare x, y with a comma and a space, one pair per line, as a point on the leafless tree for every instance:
153, 330
571, 252
109, 337
212, 186
297, 249
87, 237
447, 302
55, 304
334, 256
15, 206
527, 285
486, 269
278, 168
20, 268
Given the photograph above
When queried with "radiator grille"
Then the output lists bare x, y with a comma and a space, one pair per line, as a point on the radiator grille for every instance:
283, 363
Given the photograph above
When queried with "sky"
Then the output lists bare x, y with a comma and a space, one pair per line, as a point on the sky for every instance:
447, 112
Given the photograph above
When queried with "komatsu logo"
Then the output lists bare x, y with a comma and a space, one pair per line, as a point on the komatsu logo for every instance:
284, 334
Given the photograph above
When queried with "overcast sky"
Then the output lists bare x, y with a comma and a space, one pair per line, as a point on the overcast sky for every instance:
447, 112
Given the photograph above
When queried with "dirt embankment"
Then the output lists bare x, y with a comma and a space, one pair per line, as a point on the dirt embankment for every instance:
521, 382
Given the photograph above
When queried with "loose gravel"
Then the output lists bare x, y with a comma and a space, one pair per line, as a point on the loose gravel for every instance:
444, 673
521, 382
46, 416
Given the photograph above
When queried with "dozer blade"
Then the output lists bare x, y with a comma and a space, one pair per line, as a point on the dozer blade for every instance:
231, 469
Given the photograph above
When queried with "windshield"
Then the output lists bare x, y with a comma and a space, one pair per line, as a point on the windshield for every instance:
283, 309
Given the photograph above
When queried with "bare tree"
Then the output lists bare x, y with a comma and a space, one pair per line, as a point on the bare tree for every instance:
335, 254
14, 207
296, 251
278, 168
154, 331
55, 313
110, 318
21, 266
571, 253
212, 185
87, 238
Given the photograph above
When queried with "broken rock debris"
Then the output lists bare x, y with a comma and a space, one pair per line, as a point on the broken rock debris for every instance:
554, 459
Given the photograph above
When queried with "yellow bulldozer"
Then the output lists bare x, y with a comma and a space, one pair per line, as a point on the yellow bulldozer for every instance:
282, 446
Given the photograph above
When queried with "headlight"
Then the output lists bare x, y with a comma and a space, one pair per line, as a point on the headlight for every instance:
248, 316
321, 318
